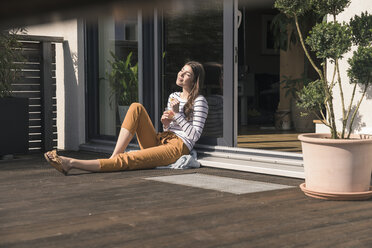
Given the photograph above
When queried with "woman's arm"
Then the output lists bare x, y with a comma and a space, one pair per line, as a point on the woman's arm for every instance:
165, 120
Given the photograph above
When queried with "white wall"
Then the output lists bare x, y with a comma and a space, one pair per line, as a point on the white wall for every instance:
363, 122
70, 80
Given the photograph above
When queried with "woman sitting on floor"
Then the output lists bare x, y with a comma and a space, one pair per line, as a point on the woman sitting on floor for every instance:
183, 126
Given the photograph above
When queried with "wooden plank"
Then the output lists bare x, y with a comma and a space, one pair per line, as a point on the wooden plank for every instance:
30, 94
38, 108
318, 121
38, 129
35, 122
34, 129
34, 150
40, 38
35, 46
31, 55
287, 142
30, 73
34, 66
35, 108
30, 65
26, 87
37, 115
35, 144
30, 45
126, 210
33, 101
35, 56
38, 136
47, 94
35, 80
24, 80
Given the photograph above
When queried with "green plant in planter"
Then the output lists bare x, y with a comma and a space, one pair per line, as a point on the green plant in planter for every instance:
10, 53
330, 41
123, 79
293, 86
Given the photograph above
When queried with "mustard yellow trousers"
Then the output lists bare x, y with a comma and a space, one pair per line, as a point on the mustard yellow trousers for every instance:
157, 149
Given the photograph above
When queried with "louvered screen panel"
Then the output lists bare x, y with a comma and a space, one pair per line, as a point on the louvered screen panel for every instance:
30, 86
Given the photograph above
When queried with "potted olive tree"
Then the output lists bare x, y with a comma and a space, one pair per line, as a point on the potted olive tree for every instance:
13, 111
338, 164
123, 79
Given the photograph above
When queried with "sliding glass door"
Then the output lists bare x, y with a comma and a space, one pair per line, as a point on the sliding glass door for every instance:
204, 31
112, 72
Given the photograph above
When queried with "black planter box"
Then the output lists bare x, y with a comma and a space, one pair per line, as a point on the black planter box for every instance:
13, 125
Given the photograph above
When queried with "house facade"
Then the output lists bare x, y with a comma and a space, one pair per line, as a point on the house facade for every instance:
231, 38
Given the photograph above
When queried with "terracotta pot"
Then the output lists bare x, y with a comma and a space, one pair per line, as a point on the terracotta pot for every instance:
337, 165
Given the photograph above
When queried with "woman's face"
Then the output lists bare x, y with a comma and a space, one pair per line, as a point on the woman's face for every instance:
185, 78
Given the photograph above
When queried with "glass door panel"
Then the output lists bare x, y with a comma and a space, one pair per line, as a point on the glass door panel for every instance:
198, 32
117, 42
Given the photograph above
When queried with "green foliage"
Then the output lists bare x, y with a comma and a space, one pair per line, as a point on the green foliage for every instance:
332, 7
329, 40
361, 27
10, 53
123, 79
293, 86
292, 7
312, 96
279, 27
360, 70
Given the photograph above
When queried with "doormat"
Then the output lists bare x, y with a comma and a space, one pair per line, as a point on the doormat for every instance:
224, 184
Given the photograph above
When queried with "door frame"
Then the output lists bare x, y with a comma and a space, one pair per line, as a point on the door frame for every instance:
230, 77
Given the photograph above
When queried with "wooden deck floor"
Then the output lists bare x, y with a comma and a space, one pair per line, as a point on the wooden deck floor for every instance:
285, 141
41, 208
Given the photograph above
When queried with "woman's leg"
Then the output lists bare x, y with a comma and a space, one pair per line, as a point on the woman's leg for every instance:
69, 163
136, 121
87, 165
152, 157
123, 140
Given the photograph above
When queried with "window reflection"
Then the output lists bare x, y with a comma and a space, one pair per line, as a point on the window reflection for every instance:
118, 58
196, 34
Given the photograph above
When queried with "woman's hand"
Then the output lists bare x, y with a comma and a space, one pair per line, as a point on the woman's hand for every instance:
175, 105
167, 118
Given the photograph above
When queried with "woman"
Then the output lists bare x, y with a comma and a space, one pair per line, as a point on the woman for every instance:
182, 126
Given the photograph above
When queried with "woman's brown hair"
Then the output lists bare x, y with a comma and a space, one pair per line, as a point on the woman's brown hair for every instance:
198, 71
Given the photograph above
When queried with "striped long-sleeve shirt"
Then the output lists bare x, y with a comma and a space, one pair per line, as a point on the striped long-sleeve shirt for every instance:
188, 130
